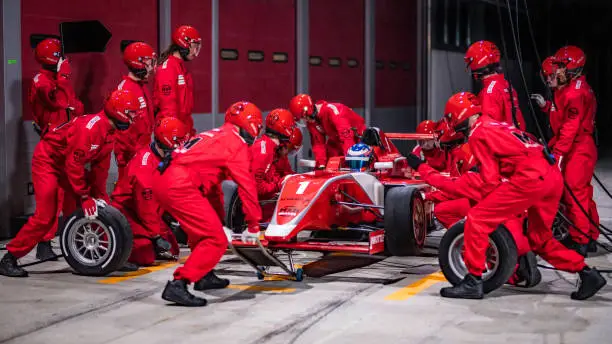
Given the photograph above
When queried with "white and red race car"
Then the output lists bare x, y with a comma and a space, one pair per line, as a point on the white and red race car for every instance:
336, 210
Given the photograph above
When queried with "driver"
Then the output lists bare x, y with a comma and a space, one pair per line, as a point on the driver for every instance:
360, 158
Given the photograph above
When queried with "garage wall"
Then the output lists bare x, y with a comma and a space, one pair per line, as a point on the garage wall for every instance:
256, 32
337, 32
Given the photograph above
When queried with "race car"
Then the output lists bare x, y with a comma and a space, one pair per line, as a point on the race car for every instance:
336, 210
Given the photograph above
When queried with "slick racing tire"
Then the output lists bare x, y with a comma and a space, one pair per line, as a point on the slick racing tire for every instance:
96, 247
501, 257
405, 222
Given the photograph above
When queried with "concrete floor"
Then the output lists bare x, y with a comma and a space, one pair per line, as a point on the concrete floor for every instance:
390, 301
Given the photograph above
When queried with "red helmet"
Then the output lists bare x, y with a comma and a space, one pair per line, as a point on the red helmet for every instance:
571, 57
548, 66
170, 132
48, 51
246, 116
300, 106
122, 105
295, 140
482, 54
426, 127
185, 35
137, 53
459, 108
280, 122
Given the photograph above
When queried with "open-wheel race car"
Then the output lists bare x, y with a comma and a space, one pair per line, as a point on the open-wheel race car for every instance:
335, 210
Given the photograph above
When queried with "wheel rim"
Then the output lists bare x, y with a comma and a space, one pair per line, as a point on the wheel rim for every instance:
457, 264
560, 228
89, 242
418, 222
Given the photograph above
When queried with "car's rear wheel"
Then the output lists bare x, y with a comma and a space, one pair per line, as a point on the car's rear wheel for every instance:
405, 222
501, 257
96, 247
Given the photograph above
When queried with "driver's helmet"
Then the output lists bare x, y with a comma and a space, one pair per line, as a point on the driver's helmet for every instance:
359, 157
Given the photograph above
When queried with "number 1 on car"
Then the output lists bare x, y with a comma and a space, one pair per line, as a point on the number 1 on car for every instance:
302, 188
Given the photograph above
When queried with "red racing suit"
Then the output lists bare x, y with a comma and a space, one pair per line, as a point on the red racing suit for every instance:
50, 94
460, 160
138, 135
48, 177
495, 99
269, 169
173, 91
465, 192
435, 158
133, 196
335, 131
89, 145
534, 186
572, 124
196, 169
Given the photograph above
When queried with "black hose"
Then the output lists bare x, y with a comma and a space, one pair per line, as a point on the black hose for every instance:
601, 185
503, 39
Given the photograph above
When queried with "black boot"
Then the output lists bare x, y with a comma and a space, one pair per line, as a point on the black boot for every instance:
129, 267
176, 291
45, 252
469, 288
590, 283
211, 281
9, 267
582, 249
528, 270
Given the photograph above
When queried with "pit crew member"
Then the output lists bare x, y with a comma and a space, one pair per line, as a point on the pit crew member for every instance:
140, 58
183, 181
333, 127
59, 161
173, 89
535, 186
483, 59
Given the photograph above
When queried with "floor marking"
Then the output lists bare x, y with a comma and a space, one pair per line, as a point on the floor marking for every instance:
416, 287
261, 288
142, 271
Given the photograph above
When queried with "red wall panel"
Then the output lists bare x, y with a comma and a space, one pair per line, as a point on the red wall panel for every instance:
336, 30
396, 32
197, 13
263, 25
94, 74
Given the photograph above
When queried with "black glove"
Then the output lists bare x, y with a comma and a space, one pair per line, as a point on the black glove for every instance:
161, 244
414, 161
475, 169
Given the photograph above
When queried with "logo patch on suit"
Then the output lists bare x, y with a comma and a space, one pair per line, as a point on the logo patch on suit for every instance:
166, 89
147, 194
78, 155
346, 133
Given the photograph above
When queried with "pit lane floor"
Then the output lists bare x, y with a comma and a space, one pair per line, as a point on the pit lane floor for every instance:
395, 300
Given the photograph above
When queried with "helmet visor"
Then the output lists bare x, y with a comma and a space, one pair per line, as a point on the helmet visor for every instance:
357, 163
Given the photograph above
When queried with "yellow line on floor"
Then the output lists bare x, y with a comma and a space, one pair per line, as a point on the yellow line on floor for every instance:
416, 287
142, 271
261, 288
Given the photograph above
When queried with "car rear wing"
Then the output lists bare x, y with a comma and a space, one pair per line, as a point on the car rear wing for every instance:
411, 136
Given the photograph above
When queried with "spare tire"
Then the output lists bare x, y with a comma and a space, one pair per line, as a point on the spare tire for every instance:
96, 247
501, 257
405, 221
